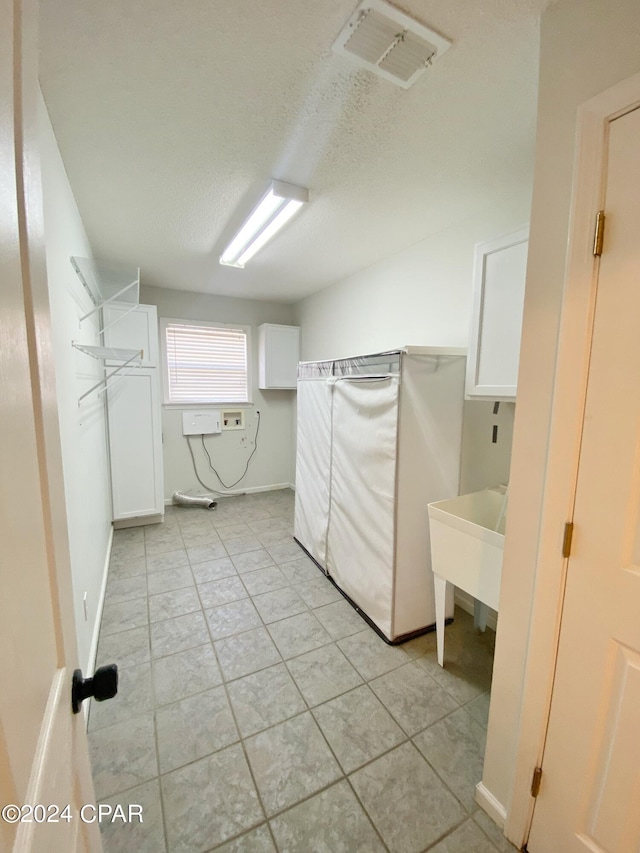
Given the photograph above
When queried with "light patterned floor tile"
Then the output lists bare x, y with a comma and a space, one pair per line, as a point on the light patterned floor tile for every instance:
290, 761
358, 727
245, 653
454, 747
180, 675
323, 674
307, 826
210, 801
143, 837
298, 634
412, 697
264, 698
409, 805
194, 727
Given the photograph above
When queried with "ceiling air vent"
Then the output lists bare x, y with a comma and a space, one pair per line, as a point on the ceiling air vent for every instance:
391, 44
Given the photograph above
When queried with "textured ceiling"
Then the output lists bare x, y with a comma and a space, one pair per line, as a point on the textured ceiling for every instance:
172, 117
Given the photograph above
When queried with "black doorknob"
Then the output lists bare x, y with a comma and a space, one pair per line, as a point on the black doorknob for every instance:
103, 685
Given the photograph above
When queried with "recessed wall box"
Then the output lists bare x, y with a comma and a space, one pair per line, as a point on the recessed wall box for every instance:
201, 423
233, 419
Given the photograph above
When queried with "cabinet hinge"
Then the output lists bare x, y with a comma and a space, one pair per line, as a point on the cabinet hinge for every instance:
535, 782
566, 539
598, 236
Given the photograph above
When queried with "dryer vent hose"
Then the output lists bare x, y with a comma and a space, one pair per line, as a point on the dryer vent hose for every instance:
179, 499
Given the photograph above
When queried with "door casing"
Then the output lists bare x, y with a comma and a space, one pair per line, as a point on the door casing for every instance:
569, 397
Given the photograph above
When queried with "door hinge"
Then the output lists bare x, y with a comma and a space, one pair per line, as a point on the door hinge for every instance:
566, 539
598, 236
535, 782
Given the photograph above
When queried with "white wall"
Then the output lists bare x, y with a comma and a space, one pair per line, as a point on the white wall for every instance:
422, 296
273, 462
485, 463
82, 430
586, 47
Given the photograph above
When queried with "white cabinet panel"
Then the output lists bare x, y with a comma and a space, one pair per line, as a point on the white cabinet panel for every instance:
279, 353
496, 322
132, 329
135, 445
133, 409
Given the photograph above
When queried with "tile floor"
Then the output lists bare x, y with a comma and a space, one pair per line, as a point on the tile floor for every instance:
258, 712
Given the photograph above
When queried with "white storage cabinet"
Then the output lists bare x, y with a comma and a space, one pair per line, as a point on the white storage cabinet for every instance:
134, 417
500, 268
378, 439
278, 356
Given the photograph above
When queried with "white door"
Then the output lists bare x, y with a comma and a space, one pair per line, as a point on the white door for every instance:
361, 541
43, 748
590, 794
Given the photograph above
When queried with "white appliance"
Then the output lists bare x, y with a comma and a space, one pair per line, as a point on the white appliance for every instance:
379, 438
201, 423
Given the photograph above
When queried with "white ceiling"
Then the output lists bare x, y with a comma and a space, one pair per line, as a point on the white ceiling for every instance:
172, 117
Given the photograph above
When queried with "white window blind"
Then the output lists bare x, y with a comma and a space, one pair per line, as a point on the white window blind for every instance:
205, 363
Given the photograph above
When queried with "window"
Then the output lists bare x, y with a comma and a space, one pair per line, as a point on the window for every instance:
205, 362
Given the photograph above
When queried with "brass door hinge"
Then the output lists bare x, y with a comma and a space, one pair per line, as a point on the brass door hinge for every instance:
598, 235
566, 539
535, 782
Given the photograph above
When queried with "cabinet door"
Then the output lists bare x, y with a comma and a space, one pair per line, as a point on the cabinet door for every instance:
496, 320
313, 464
279, 348
361, 546
132, 329
135, 445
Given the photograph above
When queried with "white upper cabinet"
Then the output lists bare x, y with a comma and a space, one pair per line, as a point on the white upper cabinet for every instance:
126, 327
496, 320
279, 353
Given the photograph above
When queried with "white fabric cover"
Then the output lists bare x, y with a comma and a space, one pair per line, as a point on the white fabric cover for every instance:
313, 464
431, 404
360, 555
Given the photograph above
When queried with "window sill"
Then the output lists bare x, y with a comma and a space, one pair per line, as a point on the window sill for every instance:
190, 406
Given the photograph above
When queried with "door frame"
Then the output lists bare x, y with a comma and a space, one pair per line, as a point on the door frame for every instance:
571, 378
31, 768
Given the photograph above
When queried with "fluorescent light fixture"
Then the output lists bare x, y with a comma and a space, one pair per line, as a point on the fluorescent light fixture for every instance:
274, 209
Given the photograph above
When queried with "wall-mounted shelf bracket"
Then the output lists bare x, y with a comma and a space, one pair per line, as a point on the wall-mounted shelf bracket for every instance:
114, 298
107, 282
129, 358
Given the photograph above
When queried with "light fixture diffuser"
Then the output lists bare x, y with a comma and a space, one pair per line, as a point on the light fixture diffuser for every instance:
275, 208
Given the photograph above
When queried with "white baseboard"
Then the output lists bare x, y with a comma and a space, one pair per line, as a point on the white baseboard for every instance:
138, 521
235, 493
489, 804
467, 602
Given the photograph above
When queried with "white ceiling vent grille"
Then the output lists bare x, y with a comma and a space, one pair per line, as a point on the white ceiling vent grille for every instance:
391, 44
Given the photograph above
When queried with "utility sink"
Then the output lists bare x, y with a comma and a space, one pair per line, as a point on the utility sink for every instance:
467, 542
